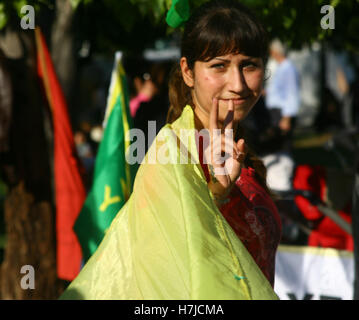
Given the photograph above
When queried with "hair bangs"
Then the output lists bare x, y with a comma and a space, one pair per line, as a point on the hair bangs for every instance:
224, 31
222, 37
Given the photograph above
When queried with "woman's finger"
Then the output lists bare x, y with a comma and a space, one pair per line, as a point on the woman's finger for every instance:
227, 144
241, 150
223, 147
241, 146
214, 132
213, 116
228, 121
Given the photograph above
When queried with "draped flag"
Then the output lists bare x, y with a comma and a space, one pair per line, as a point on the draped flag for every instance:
170, 241
70, 191
113, 176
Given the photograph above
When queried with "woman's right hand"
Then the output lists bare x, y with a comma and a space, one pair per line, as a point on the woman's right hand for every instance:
227, 156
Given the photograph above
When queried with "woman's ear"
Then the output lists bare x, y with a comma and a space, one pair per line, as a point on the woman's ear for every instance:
187, 73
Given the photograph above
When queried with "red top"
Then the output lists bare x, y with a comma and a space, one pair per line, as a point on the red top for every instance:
254, 217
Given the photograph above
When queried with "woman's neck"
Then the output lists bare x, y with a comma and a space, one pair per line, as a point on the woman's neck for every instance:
199, 123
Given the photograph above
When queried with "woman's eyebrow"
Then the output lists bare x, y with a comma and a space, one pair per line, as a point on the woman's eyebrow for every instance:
222, 59
249, 59
252, 59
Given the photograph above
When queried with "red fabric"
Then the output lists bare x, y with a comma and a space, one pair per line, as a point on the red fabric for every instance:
69, 187
327, 234
254, 217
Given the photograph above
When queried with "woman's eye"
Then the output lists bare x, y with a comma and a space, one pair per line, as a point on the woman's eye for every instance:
250, 66
218, 66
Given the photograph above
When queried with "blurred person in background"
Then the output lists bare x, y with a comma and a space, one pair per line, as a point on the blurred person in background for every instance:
283, 93
146, 89
151, 102
140, 85
282, 101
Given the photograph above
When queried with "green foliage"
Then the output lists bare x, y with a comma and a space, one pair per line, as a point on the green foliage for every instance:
156, 9
3, 16
18, 4
296, 22
10, 10
75, 3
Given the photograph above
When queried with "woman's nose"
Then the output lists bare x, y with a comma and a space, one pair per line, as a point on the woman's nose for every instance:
236, 81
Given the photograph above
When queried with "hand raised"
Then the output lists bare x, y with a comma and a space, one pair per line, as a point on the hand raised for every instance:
226, 156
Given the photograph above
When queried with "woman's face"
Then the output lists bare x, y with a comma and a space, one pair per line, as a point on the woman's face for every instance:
233, 77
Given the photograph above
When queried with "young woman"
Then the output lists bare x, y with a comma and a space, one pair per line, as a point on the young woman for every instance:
221, 73
205, 228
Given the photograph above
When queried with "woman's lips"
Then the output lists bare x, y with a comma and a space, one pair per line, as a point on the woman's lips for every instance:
237, 101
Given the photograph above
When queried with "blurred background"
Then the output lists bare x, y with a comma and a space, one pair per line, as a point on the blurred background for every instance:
312, 176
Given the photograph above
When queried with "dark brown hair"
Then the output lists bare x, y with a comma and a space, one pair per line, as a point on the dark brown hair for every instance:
218, 28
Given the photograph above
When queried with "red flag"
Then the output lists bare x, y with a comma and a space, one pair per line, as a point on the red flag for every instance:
69, 186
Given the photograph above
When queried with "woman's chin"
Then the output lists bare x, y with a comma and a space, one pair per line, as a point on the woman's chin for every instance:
241, 114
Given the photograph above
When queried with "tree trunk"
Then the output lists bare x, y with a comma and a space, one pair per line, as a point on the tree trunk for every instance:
26, 168
62, 47
30, 242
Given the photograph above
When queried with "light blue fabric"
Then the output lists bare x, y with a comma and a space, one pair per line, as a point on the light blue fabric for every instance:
283, 91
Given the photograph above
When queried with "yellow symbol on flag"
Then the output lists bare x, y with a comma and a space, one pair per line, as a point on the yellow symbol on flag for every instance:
108, 200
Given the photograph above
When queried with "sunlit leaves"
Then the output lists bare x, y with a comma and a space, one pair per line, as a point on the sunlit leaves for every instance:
295, 22
3, 16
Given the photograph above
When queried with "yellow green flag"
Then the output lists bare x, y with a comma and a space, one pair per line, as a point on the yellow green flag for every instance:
170, 241
113, 176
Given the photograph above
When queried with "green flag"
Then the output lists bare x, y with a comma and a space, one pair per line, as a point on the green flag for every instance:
113, 176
